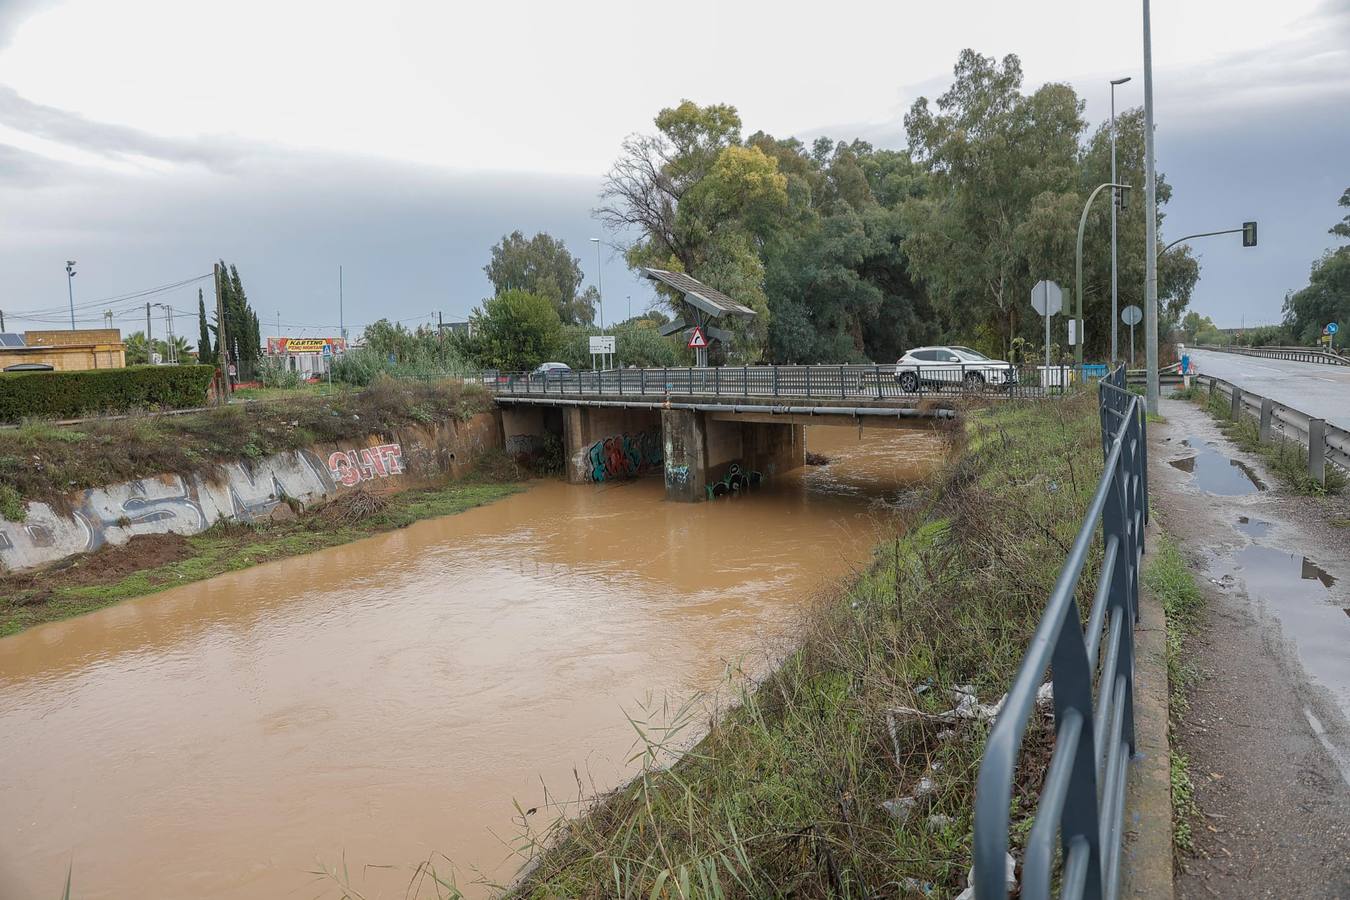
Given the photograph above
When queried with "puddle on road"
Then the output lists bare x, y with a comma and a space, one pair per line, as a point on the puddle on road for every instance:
1253, 528
1215, 473
1299, 593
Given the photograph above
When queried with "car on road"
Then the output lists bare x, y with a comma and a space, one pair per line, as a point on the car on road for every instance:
551, 371
952, 366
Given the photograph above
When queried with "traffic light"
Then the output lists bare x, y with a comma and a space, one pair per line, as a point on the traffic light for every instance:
1122, 198
1249, 234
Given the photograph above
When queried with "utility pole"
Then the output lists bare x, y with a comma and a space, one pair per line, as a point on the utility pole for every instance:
1150, 228
222, 343
2, 320
342, 323
149, 345
70, 290
1078, 267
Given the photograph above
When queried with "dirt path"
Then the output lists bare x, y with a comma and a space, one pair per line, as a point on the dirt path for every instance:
1266, 732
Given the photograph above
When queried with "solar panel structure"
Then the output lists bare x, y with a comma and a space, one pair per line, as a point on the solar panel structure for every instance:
9, 339
699, 295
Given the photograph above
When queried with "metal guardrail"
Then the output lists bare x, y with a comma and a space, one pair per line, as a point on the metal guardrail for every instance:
1083, 798
1276, 421
864, 382
1296, 354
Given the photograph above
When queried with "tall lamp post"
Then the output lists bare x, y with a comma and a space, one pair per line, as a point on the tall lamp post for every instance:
600, 283
1114, 204
1150, 228
70, 290
1078, 267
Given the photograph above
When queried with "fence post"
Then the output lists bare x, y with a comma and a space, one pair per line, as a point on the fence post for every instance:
745, 381
775, 381
1236, 412
1317, 450
876, 373
1267, 413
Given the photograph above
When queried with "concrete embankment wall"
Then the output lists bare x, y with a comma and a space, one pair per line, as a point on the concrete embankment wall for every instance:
245, 491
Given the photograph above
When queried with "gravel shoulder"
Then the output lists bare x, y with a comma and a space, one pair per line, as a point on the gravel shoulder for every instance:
1266, 732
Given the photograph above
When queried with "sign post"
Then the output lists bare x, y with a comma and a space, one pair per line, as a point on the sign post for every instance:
1047, 299
1131, 315
1330, 331
602, 345
699, 344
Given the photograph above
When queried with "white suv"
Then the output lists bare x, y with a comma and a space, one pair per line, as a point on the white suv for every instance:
938, 367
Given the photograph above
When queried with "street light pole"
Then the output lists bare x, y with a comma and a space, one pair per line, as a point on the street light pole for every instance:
1150, 228
600, 283
70, 290
1078, 269
1114, 317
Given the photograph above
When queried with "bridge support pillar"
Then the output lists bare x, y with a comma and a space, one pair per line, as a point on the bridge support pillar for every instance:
705, 451
684, 445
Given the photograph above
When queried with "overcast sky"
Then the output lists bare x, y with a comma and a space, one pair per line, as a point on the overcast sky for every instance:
145, 138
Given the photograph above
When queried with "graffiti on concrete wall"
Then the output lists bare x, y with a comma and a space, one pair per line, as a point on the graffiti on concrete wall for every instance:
166, 504
625, 456
677, 474
351, 467
735, 481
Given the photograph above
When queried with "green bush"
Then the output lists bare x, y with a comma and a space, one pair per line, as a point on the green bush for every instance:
68, 395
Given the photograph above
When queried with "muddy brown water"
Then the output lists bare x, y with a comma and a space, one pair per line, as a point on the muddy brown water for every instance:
383, 702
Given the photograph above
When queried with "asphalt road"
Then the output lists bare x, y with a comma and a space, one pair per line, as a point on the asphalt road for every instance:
1317, 389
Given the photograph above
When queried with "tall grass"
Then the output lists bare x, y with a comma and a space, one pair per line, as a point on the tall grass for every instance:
809, 785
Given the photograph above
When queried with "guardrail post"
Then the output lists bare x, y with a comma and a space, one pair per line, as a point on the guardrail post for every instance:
808, 381
775, 381
642, 381
1236, 411
717, 380
745, 381
1317, 450
876, 373
1267, 414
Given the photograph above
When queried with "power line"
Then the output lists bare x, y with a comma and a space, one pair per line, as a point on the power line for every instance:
115, 299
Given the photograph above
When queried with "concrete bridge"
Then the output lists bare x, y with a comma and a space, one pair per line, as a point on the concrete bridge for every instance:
709, 431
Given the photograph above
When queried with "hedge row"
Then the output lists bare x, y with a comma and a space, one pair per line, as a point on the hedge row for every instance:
69, 395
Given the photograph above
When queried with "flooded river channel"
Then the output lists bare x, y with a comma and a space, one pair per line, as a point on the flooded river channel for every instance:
383, 702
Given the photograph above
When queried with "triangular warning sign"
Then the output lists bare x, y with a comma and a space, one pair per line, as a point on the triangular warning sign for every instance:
697, 340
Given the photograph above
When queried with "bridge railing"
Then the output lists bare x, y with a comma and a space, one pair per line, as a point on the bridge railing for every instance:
1295, 354
859, 382
1081, 806
1325, 442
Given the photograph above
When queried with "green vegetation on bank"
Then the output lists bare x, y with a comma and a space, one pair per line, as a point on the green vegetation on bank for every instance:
113, 574
69, 395
812, 785
46, 462
1171, 581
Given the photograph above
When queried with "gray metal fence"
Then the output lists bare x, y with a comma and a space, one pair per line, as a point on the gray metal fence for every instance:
1081, 807
1296, 354
1325, 442
866, 382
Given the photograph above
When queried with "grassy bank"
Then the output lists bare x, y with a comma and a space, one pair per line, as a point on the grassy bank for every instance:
158, 562
811, 785
40, 461
1288, 459
1171, 581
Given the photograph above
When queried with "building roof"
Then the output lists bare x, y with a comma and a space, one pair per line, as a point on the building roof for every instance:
699, 295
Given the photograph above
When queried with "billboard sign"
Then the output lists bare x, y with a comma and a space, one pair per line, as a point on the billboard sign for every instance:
327, 346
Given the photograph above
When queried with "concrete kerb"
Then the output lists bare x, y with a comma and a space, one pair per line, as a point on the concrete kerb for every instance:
1147, 869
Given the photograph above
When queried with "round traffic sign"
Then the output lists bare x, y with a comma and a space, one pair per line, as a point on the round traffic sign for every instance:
1131, 315
1332, 328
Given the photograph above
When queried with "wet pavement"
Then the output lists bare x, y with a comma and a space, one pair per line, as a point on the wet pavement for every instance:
1266, 729
1215, 473
1314, 388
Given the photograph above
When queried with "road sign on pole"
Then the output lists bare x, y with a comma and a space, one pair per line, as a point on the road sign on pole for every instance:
1047, 299
697, 341
1131, 315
